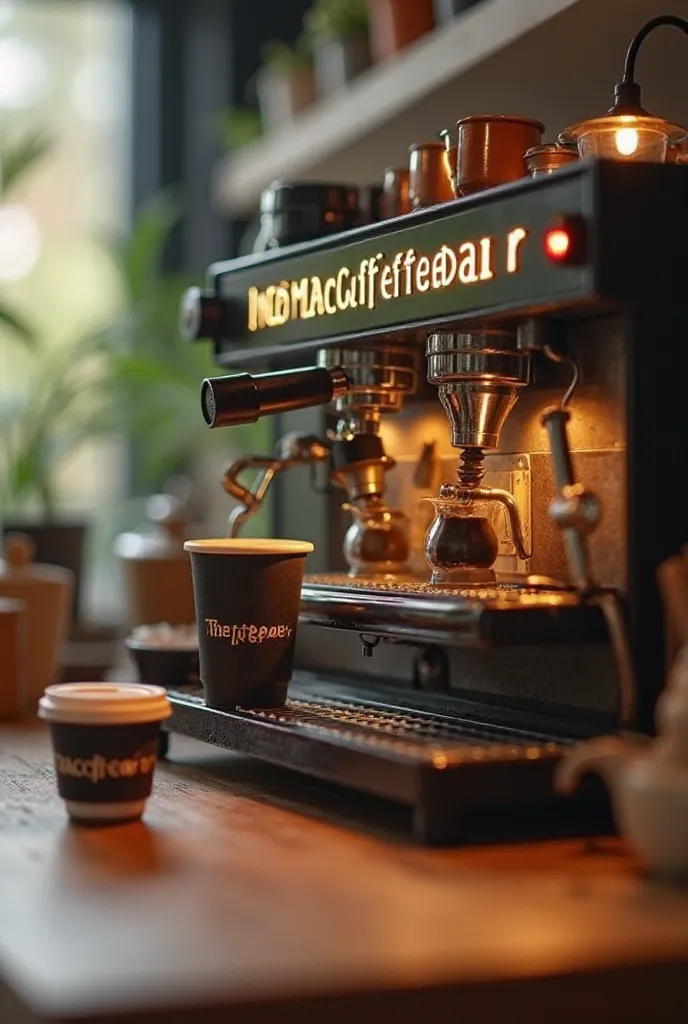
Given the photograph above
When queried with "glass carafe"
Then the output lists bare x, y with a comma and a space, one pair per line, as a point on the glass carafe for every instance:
377, 542
461, 545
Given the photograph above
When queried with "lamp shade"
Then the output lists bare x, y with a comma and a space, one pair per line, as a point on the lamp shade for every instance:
626, 136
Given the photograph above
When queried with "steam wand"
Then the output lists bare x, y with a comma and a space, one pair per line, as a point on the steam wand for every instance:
376, 541
578, 512
244, 398
293, 450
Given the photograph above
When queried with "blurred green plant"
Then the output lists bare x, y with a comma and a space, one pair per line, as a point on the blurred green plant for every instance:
281, 57
335, 19
156, 373
16, 161
242, 124
134, 377
63, 405
238, 127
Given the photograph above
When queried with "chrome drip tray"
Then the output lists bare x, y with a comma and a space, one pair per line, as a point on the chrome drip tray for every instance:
474, 615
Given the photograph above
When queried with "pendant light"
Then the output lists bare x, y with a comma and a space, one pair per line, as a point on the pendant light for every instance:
627, 131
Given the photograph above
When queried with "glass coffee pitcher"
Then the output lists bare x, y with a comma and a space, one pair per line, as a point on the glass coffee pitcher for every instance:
461, 545
377, 542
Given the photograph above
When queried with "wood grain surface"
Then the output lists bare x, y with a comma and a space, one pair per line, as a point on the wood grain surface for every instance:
244, 898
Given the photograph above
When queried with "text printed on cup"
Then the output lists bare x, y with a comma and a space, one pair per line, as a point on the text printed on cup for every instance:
98, 767
245, 634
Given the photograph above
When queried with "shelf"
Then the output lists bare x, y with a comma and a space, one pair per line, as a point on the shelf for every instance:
556, 60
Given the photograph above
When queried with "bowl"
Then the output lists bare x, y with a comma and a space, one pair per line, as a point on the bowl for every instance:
170, 667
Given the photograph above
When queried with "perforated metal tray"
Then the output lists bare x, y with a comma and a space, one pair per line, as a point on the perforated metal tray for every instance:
440, 765
470, 615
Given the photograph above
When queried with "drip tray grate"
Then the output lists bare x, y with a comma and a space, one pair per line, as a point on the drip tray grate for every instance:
412, 587
422, 736
437, 763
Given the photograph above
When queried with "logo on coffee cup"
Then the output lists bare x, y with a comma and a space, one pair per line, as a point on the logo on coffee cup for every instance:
246, 634
97, 767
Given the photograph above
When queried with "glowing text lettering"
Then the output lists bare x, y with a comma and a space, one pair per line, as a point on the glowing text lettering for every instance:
379, 278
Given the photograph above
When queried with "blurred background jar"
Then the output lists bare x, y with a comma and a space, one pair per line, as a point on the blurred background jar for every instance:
156, 569
291, 213
46, 592
395, 198
14, 660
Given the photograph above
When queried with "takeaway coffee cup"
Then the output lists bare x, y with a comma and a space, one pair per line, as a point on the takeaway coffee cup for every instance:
247, 595
105, 744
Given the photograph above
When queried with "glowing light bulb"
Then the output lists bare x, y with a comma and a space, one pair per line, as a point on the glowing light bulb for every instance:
626, 140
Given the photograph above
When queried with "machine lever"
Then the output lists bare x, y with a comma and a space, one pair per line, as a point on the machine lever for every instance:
577, 512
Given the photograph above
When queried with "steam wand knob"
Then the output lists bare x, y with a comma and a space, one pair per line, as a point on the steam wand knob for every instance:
201, 315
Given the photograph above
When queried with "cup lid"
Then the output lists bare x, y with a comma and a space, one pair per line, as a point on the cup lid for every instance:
248, 546
104, 704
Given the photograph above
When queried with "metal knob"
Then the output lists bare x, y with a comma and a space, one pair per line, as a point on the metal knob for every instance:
200, 315
576, 509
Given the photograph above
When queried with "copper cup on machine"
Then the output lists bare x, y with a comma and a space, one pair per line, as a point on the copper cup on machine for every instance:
430, 177
548, 158
491, 148
395, 198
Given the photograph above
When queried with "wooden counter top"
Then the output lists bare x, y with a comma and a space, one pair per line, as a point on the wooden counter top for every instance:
229, 905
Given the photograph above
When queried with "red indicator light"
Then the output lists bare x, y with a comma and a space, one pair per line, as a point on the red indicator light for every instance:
558, 244
565, 240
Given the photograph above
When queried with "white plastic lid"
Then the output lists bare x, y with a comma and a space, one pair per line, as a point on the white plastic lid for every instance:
104, 703
248, 546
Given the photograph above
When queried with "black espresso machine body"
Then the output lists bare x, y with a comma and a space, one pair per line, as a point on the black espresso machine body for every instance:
456, 698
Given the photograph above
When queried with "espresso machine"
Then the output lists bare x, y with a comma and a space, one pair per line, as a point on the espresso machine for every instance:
478, 410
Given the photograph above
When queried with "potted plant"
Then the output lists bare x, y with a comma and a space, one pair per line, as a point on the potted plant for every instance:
134, 376
23, 420
338, 35
394, 24
65, 403
285, 82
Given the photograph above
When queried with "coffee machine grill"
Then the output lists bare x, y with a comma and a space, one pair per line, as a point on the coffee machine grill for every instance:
561, 381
